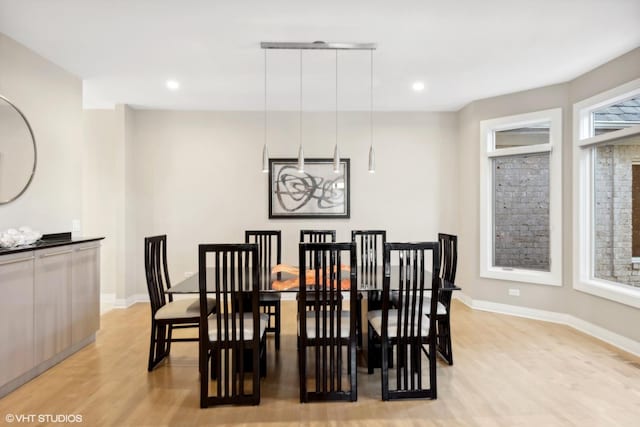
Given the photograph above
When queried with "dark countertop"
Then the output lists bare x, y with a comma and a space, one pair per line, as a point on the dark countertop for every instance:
47, 243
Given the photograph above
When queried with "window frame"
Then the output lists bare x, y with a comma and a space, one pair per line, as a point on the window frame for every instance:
583, 144
488, 152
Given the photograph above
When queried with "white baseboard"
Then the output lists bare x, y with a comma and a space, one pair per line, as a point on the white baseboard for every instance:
581, 325
463, 298
109, 301
130, 300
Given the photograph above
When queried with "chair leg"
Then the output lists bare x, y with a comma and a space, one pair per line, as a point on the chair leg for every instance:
370, 356
444, 340
277, 315
169, 336
449, 348
302, 369
158, 347
353, 373
204, 376
384, 371
359, 320
263, 356
161, 342
152, 345
433, 385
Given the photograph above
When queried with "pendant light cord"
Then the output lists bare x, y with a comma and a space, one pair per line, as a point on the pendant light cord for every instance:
336, 97
300, 111
371, 102
265, 97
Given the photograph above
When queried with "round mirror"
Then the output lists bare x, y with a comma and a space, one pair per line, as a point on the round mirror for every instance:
17, 152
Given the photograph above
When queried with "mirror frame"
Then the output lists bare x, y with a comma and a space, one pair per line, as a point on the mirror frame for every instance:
35, 153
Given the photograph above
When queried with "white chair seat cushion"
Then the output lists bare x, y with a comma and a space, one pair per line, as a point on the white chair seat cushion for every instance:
345, 323
183, 309
426, 303
375, 319
248, 326
426, 306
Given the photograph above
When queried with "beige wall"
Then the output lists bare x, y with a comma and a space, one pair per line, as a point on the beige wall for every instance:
137, 208
111, 197
198, 176
607, 314
51, 99
104, 189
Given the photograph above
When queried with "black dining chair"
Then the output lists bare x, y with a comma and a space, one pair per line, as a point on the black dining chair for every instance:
448, 265
315, 236
329, 330
166, 314
236, 332
369, 245
410, 326
269, 255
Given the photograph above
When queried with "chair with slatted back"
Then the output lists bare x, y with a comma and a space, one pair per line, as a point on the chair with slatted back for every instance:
328, 331
315, 236
369, 245
410, 326
449, 260
236, 331
269, 255
166, 314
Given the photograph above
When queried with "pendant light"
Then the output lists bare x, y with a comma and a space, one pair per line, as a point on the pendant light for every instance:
372, 154
336, 152
265, 150
300, 151
319, 45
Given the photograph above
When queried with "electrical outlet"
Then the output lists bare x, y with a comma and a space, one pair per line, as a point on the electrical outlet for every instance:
76, 228
188, 274
514, 292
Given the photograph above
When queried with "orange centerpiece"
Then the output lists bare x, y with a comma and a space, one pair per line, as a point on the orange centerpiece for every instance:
310, 277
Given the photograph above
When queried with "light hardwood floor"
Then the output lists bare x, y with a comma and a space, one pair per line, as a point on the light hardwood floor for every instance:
508, 371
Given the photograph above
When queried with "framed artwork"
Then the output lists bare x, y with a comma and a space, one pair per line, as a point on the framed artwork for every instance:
318, 192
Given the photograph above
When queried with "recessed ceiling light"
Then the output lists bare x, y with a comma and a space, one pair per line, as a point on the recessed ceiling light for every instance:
418, 86
173, 85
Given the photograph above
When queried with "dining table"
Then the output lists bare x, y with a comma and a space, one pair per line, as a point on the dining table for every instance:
369, 282
285, 280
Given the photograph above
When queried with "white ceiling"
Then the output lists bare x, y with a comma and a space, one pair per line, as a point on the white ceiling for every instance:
463, 50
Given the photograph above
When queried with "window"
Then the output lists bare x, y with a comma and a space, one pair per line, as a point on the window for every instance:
521, 211
620, 115
520, 190
607, 194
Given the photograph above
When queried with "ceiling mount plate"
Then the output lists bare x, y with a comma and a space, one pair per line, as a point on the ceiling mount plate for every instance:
318, 45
